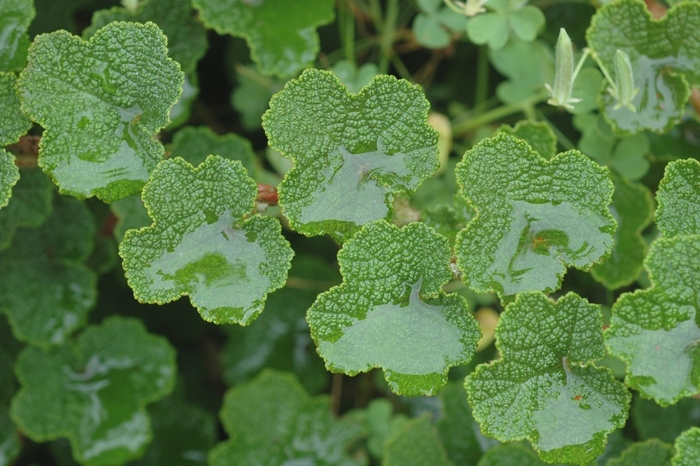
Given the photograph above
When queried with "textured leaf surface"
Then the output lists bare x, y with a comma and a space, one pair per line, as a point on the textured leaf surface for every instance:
195, 144
352, 77
201, 245
655, 330
665, 57
458, 431
351, 152
45, 288
511, 454
9, 175
536, 133
687, 448
281, 34
390, 311
679, 199
131, 214
534, 217
94, 391
632, 207
15, 16
99, 108
29, 206
544, 387
13, 123
415, 443
650, 453
653, 421
272, 420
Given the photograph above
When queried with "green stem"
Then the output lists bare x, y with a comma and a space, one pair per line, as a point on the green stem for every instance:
349, 34
561, 137
388, 28
459, 128
482, 77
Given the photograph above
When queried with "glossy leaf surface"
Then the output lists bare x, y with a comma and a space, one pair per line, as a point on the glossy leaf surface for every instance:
649, 453
94, 391
687, 448
15, 16
415, 443
390, 311
100, 109
534, 217
679, 199
545, 388
29, 206
351, 152
281, 34
201, 245
655, 330
13, 123
195, 144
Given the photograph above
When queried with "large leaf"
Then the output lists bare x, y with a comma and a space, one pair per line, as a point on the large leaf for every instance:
15, 16
390, 311
351, 152
655, 331
94, 391
99, 108
201, 245
534, 217
545, 388
281, 34
679, 199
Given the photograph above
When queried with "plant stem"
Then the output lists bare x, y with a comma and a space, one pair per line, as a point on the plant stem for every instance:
459, 128
349, 33
392, 14
482, 77
561, 137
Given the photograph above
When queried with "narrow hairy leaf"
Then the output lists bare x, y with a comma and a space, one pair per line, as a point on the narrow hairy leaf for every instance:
679, 199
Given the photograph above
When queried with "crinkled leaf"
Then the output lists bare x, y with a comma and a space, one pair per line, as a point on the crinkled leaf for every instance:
390, 311
15, 16
653, 421
13, 123
194, 144
687, 448
458, 431
665, 57
536, 133
679, 199
527, 65
352, 77
201, 245
10, 445
131, 215
9, 175
29, 206
545, 388
649, 453
272, 420
655, 330
416, 442
281, 34
252, 95
99, 108
351, 152
633, 208
534, 217
45, 288
187, 39
94, 391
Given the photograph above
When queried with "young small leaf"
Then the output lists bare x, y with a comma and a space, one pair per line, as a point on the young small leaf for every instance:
679, 199
194, 144
526, 65
536, 133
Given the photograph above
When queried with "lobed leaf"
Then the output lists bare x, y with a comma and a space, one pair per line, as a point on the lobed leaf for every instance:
679, 199
201, 244
536, 133
351, 152
545, 388
9, 175
13, 123
527, 65
687, 448
15, 16
534, 217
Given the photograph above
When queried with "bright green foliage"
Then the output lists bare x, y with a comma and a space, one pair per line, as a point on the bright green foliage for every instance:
545, 388
526, 77
194, 144
352, 77
687, 448
13, 123
131, 214
390, 311
655, 331
653, 421
679, 199
187, 39
252, 95
10, 445
633, 208
507, 18
586, 87
15, 16
94, 391
415, 443
665, 58
650, 453
29, 206
351, 152
272, 420
100, 109
45, 288
536, 133
9, 175
281, 34
380, 423
459, 433
511, 454
448, 220
534, 217
434, 26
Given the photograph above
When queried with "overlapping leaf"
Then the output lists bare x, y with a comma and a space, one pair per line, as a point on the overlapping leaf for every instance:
15, 16
281, 34
100, 103
687, 448
679, 199
459, 433
649, 453
507, 18
94, 391
272, 420
415, 443
9, 175
351, 152
534, 217
200, 244
194, 144
252, 95
545, 388
13, 123
655, 330
390, 311
511, 454
536, 133
527, 65
665, 58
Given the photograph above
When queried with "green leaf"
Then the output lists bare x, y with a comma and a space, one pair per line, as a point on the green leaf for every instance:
493, 28
201, 245
527, 65
511, 454
9, 175
94, 391
545, 388
448, 220
679, 199
180, 112
15, 16
534, 217
187, 38
586, 87
252, 95
415, 443
10, 446
633, 208
687, 448
29, 206
664, 57
351, 152
459, 433
653, 421
381, 424
272, 420
650, 453
100, 109
45, 288
131, 215
536, 133
281, 34
655, 331
390, 304
352, 77
433, 26
488, 28
13, 123
7, 379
